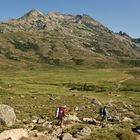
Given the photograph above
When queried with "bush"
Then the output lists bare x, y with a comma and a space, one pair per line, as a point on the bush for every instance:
107, 134
78, 61
126, 135
25, 46
85, 87
103, 134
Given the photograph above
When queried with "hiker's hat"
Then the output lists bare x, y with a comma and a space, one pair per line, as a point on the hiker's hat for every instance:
64, 106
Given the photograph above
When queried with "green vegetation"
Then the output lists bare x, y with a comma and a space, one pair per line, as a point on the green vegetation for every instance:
40, 92
25, 46
78, 61
108, 134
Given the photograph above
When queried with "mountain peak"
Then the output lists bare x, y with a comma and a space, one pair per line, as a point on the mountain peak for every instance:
33, 13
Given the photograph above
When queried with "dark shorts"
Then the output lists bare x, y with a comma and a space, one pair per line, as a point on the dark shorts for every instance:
60, 118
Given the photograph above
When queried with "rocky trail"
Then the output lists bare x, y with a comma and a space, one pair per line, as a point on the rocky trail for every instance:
75, 128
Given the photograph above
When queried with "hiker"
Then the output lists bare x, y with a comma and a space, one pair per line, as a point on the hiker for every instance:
104, 114
61, 113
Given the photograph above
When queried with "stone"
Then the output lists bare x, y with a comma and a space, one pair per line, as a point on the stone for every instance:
90, 120
34, 121
24, 138
72, 118
7, 115
22, 96
67, 136
40, 121
86, 131
41, 137
76, 108
114, 119
126, 119
13, 134
95, 102
26, 121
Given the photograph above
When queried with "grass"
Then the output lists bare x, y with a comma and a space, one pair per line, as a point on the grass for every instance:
40, 92
108, 134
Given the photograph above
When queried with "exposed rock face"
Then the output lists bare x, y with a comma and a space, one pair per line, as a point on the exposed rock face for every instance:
14, 134
67, 136
7, 115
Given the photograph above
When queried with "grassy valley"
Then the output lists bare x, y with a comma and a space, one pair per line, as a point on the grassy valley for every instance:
49, 60
39, 93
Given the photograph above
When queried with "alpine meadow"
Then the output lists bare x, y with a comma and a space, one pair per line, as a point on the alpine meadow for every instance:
51, 60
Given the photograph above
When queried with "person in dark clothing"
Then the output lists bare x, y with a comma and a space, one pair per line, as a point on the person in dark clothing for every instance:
104, 115
61, 114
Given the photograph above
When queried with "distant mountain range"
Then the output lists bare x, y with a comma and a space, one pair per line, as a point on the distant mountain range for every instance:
40, 40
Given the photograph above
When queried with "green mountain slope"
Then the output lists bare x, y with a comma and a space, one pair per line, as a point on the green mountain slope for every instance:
38, 39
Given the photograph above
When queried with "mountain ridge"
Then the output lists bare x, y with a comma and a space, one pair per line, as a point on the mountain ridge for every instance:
58, 39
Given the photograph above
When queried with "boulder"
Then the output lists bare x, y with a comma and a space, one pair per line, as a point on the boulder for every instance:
76, 108
41, 137
7, 115
95, 102
126, 119
67, 136
90, 120
13, 134
41, 121
114, 119
72, 118
86, 131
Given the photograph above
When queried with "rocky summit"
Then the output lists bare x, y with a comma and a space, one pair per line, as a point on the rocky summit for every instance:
38, 39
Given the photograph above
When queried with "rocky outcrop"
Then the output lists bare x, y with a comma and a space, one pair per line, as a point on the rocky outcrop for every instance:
67, 136
14, 134
7, 115
84, 132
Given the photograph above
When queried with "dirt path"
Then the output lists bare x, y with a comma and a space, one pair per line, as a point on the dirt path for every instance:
124, 80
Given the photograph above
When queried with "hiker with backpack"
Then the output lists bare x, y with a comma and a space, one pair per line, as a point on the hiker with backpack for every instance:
104, 115
61, 113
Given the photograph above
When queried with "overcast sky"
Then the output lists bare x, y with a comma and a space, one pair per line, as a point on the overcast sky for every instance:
115, 14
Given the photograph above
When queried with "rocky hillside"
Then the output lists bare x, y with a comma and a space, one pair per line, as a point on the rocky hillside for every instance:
37, 39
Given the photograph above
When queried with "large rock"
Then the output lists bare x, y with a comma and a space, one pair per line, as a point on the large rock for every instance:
7, 115
114, 119
86, 131
90, 120
126, 119
67, 136
95, 102
14, 134
72, 118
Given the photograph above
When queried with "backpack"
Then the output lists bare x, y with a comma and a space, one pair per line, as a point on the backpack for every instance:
60, 112
103, 110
